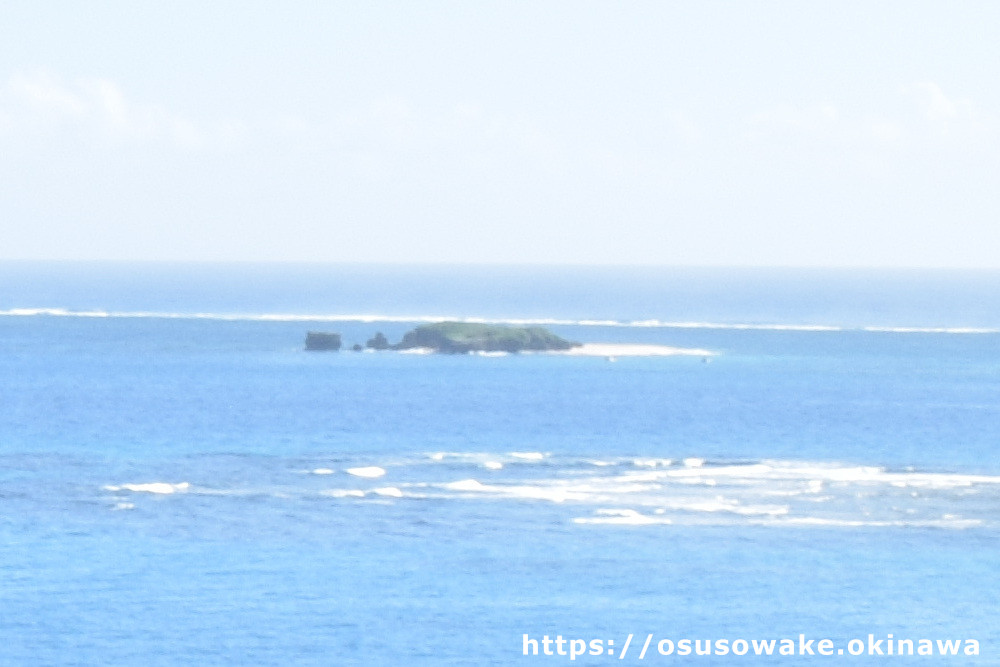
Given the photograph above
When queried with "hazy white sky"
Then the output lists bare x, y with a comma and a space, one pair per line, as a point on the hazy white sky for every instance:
707, 133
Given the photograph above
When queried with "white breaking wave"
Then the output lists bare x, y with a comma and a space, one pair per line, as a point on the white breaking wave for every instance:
163, 488
343, 493
363, 318
643, 463
366, 471
465, 485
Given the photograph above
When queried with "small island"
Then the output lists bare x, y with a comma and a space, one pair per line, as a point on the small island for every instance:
454, 338
464, 337
475, 337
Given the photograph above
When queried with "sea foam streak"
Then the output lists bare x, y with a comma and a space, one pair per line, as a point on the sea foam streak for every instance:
627, 517
343, 493
631, 350
162, 488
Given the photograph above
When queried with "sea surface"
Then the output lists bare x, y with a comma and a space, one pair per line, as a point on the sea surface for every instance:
182, 483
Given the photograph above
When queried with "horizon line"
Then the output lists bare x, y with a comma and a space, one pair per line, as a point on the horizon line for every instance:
488, 265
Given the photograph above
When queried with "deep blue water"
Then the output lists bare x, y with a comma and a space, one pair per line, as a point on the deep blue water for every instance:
181, 482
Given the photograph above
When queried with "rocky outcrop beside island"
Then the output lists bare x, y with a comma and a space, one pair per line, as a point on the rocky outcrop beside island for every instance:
378, 342
464, 337
322, 341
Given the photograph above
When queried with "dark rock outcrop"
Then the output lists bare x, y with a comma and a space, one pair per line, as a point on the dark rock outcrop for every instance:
378, 342
322, 341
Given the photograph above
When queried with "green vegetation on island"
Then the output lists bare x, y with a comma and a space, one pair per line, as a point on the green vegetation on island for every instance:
462, 337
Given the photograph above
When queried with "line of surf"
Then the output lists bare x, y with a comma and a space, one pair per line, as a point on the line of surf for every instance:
364, 318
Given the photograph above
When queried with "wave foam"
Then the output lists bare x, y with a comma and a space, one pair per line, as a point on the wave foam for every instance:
162, 488
721, 504
650, 490
528, 456
465, 485
366, 471
343, 493
627, 517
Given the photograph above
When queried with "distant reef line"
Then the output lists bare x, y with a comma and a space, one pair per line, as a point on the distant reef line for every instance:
515, 321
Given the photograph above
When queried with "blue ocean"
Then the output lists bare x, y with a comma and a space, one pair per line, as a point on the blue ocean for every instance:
755, 454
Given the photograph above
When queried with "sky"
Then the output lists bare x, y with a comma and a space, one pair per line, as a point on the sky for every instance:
700, 133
